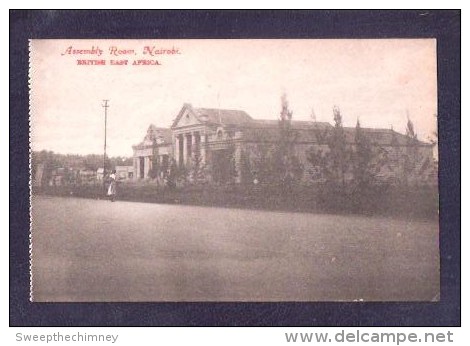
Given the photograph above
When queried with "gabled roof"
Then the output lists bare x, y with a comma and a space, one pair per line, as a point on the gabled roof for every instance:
214, 115
223, 116
161, 134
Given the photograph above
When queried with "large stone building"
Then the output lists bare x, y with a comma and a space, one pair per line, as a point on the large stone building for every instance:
213, 137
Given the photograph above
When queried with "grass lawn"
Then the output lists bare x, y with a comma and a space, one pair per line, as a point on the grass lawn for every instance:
95, 250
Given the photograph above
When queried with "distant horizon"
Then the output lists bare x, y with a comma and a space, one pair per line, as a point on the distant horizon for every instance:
76, 154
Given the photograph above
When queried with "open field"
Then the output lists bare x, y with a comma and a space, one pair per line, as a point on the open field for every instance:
95, 250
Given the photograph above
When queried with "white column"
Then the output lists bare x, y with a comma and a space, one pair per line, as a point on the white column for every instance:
193, 144
177, 149
185, 149
203, 148
136, 169
146, 166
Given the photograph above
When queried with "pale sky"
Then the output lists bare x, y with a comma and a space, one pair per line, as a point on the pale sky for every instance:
379, 81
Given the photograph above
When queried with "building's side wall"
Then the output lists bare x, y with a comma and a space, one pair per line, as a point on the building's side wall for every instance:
392, 167
413, 165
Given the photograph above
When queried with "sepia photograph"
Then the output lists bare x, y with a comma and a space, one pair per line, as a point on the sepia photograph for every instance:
234, 170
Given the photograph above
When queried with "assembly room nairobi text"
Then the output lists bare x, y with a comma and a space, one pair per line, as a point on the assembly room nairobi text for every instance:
119, 56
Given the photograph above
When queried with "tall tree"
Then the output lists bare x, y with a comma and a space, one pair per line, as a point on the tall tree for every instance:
411, 159
177, 175
246, 169
288, 167
410, 131
233, 173
331, 157
262, 163
154, 171
313, 115
340, 154
363, 156
198, 169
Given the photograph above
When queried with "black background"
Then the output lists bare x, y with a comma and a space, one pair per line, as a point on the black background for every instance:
442, 25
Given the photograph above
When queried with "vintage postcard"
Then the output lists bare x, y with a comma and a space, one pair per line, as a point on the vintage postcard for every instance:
234, 170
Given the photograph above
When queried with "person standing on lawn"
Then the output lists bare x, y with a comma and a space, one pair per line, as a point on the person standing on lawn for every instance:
112, 186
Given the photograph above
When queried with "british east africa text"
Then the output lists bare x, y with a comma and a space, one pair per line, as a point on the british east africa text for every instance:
138, 62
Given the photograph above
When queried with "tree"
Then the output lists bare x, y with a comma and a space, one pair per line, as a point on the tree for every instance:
154, 171
410, 131
176, 174
411, 159
313, 115
287, 167
232, 168
50, 160
262, 163
339, 151
363, 156
198, 169
332, 160
246, 173
321, 165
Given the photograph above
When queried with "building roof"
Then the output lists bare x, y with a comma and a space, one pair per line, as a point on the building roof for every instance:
295, 124
163, 136
214, 115
222, 116
380, 136
268, 130
262, 130
309, 131
162, 133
